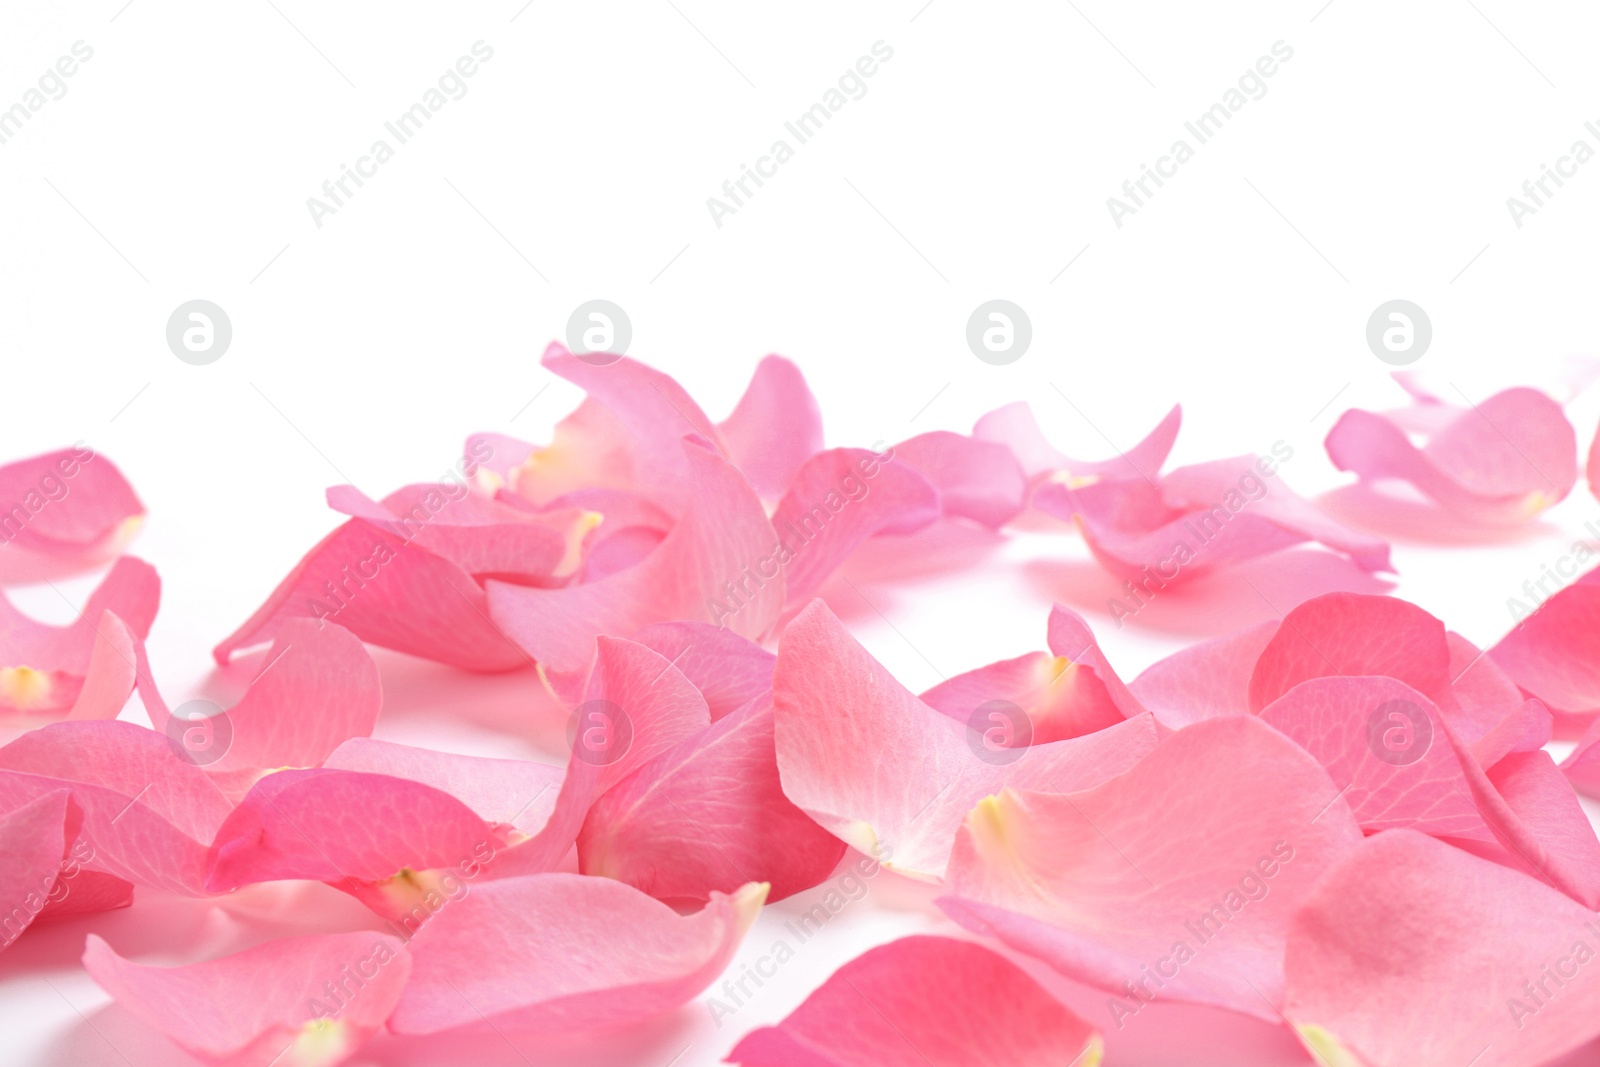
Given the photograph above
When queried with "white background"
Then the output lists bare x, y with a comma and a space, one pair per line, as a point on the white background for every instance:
977, 165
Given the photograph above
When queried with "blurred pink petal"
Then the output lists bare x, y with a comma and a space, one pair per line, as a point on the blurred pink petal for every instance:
1503, 460
33, 839
976, 479
891, 776
1554, 654
293, 1002
570, 953
1098, 888
62, 513
1014, 427
708, 814
148, 815
708, 569
1378, 976
925, 1002
775, 428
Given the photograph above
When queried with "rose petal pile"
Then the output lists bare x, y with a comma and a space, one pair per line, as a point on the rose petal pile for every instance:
1343, 822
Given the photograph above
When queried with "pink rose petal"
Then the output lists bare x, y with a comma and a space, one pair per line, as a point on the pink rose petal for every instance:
775, 428
571, 953
925, 1002
62, 513
294, 1002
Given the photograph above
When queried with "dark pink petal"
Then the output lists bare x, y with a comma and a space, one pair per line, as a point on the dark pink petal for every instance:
1500, 975
63, 512
519, 793
1204, 680
838, 500
1554, 654
1353, 633
33, 838
704, 571
730, 671
387, 593
976, 479
317, 688
708, 814
1505, 459
606, 955
775, 428
1014, 427
147, 814
637, 706
925, 1002
294, 1002
1396, 772
350, 829
1069, 693
1100, 890
891, 776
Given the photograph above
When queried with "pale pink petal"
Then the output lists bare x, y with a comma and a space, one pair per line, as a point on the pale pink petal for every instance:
891, 776
1204, 680
63, 512
387, 593
1014, 427
976, 479
708, 814
293, 1002
33, 839
1380, 976
1123, 901
636, 706
147, 814
1554, 654
730, 671
775, 428
317, 688
606, 955
519, 793
705, 571
838, 500
925, 1002
1505, 459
